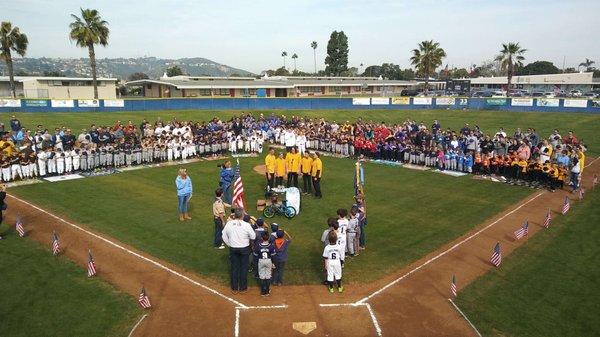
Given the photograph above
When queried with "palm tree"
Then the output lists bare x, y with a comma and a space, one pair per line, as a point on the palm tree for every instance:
587, 64
87, 31
11, 39
510, 58
427, 58
314, 45
284, 54
294, 57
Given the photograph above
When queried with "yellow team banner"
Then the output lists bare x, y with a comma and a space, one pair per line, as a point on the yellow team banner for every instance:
401, 100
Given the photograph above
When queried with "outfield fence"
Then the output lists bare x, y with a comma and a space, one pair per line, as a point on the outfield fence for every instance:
357, 103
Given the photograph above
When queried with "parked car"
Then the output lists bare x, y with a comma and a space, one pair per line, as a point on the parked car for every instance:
481, 94
560, 93
409, 93
575, 93
549, 94
537, 94
591, 94
498, 93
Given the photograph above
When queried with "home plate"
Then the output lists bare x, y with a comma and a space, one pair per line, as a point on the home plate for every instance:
304, 327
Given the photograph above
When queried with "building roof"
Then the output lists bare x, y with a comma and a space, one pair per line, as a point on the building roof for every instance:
572, 78
49, 78
191, 82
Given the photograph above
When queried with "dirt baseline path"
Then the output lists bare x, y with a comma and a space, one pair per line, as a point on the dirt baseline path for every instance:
411, 302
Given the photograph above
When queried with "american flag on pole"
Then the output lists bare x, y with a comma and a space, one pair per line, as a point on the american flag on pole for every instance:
19, 227
55, 244
238, 188
566, 206
453, 286
581, 193
524, 230
547, 219
91, 266
144, 300
496, 255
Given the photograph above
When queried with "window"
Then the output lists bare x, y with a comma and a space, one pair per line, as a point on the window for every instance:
223, 92
149, 86
248, 92
335, 89
309, 89
204, 92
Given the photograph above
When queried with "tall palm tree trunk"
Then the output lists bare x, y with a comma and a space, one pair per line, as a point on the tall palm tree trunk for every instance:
294, 64
509, 80
93, 65
11, 76
315, 57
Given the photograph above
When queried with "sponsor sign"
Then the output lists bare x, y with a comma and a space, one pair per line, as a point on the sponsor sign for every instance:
463, 101
114, 103
10, 103
88, 103
380, 100
422, 100
357, 101
553, 102
521, 102
62, 103
495, 101
445, 101
35, 102
401, 100
575, 103
596, 103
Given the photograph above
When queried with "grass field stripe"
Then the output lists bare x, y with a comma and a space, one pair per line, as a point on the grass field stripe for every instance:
377, 292
239, 304
465, 317
136, 325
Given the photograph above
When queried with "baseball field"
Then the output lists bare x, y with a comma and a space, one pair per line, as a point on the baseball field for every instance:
423, 228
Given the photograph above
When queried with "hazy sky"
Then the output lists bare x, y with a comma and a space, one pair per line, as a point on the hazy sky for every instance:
252, 34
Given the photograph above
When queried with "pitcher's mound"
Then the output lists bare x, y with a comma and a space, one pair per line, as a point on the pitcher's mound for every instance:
260, 169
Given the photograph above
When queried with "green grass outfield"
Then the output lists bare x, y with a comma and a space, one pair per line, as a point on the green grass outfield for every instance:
411, 213
43, 295
584, 125
547, 287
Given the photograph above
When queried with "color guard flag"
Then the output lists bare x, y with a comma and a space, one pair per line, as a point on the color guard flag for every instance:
566, 206
547, 219
581, 193
238, 189
19, 227
496, 255
521, 232
91, 266
453, 285
55, 244
144, 300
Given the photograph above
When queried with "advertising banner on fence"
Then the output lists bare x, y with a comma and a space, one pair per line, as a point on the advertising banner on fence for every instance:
380, 100
521, 102
355, 101
115, 103
463, 101
35, 102
62, 103
575, 103
552, 102
88, 103
401, 100
495, 101
10, 103
596, 103
445, 101
422, 100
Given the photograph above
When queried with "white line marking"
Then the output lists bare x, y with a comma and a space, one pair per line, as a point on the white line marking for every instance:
236, 329
446, 251
136, 325
157, 264
281, 306
374, 319
465, 317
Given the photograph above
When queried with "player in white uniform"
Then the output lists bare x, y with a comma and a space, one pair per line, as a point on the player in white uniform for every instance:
332, 258
342, 231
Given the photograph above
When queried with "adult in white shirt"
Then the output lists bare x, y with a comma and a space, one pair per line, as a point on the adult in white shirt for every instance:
290, 140
237, 235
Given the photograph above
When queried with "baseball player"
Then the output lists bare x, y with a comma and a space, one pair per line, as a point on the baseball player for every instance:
332, 260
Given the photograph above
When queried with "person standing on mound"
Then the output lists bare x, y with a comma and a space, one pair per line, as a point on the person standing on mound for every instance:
184, 192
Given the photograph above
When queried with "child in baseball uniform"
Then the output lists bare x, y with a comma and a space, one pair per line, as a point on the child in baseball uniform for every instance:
332, 260
353, 232
266, 251
342, 232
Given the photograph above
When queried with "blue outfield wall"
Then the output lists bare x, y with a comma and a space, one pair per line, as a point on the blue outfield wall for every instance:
364, 103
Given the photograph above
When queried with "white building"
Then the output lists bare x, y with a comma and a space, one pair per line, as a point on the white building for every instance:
58, 87
532, 83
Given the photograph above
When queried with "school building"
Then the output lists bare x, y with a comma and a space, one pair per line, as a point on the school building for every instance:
276, 86
58, 87
537, 83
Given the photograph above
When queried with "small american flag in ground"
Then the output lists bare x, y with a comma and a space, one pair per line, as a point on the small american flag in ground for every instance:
595, 180
91, 266
496, 255
566, 205
144, 300
453, 286
581, 193
55, 244
547, 219
524, 230
238, 189
19, 227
